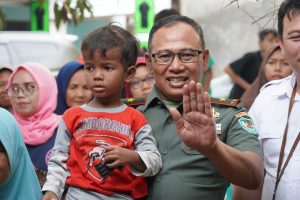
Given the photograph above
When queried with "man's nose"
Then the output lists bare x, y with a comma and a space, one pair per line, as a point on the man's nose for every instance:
176, 64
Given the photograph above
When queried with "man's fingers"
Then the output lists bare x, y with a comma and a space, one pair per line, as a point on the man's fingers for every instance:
177, 119
186, 99
207, 105
193, 96
200, 100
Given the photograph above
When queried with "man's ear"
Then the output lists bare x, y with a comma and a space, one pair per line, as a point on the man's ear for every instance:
205, 59
129, 74
148, 61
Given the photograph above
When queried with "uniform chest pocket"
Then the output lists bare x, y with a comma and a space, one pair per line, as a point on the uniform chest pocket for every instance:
270, 135
198, 170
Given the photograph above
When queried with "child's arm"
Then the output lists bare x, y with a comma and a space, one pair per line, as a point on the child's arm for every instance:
50, 196
57, 168
145, 160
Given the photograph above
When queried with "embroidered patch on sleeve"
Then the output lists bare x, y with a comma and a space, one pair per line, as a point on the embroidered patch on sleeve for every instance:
247, 124
241, 114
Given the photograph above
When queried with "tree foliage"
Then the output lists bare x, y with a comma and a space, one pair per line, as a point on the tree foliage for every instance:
72, 11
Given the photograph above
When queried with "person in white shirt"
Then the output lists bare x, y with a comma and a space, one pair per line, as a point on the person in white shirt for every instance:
275, 113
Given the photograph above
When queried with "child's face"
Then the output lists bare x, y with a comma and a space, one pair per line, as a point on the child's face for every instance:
277, 67
105, 77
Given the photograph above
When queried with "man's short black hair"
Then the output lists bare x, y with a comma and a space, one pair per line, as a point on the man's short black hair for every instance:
290, 8
265, 32
174, 19
111, 36
165, 13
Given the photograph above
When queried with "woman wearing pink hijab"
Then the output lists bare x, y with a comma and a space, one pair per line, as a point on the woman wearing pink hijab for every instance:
33, 92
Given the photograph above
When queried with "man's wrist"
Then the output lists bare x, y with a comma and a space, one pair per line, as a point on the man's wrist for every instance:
213, 150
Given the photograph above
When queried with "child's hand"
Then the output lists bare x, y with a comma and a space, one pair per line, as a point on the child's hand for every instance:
50, 196
116, 156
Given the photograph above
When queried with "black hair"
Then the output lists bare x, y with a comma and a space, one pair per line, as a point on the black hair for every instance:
289, 8
111, 36
2, 149
165, 13
174, 19
5, 69
265, 32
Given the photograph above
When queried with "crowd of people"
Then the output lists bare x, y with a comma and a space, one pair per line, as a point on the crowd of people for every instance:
74, 136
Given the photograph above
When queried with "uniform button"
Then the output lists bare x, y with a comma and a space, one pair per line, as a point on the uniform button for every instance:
164, 151
158, 179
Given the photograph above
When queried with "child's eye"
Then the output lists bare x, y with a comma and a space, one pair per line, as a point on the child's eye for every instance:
88, 68
107, 68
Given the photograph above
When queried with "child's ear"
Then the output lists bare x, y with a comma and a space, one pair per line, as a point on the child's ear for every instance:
129, 74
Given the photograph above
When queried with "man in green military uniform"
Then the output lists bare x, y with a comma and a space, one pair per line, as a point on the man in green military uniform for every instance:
204, 145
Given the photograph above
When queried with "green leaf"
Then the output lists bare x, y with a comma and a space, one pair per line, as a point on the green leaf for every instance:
73, 13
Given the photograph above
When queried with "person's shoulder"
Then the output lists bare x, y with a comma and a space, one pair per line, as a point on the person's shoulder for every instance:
273, 85
72, 111
134, 102
225, 102
252, 54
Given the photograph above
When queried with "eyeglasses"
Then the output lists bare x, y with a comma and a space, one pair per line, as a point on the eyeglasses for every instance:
185, 56
137, 83
27, 89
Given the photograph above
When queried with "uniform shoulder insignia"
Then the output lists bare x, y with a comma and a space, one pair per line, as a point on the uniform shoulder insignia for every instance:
224, 101
134, 102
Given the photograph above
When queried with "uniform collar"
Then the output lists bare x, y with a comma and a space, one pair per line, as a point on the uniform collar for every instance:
154, 98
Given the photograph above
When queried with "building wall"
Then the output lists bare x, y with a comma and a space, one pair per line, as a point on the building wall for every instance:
230, 31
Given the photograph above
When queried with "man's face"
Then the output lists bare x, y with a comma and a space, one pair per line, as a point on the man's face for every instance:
290, 41
170, 78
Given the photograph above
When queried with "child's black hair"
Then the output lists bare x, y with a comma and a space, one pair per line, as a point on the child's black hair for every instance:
111, 36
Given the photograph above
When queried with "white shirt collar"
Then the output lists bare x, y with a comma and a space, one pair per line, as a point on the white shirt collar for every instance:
285, 87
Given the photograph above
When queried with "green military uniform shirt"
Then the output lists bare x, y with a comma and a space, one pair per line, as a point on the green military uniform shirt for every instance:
186, 173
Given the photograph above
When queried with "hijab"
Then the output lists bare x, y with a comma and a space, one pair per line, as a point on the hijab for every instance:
6, 67
63, 78
22, 182
40, 126
250, 94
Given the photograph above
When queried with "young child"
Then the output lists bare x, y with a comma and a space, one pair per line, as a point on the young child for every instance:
104, 149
